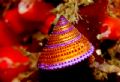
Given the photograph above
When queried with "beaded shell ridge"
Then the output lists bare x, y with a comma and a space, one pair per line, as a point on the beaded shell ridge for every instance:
66, 46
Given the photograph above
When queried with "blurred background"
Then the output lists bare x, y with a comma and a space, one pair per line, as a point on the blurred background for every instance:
26, 24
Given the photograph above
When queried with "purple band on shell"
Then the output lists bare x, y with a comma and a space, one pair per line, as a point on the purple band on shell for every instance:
62, 21
64, 31
67, 63
65, 43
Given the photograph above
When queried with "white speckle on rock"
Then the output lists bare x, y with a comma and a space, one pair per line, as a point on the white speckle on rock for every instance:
98, 51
